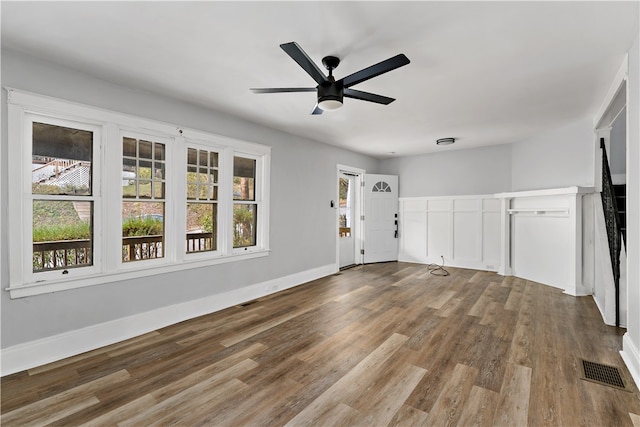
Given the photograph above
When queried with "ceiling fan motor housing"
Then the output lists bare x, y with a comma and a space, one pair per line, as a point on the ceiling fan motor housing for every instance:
330, 90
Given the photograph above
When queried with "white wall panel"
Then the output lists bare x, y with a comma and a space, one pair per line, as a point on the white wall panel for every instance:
540, 247
413, 236
490, 239
438, 236
465, 230
466, 236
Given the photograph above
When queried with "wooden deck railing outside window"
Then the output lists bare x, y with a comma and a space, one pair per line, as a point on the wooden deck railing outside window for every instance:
63, 254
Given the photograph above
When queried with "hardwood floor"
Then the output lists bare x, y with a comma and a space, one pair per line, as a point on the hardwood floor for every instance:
376, 345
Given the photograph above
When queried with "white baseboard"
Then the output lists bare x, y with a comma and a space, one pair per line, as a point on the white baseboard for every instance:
46, 350
631, 356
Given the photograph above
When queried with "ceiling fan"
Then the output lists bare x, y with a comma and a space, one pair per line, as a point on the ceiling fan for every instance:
331, 91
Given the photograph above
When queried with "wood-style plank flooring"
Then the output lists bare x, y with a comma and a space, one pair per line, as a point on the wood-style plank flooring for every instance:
376, 345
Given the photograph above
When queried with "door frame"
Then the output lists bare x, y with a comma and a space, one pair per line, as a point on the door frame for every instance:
357, 234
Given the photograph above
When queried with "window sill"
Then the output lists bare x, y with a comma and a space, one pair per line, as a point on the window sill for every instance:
49, 286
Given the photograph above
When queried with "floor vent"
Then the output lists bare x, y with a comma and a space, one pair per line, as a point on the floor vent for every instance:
602, 374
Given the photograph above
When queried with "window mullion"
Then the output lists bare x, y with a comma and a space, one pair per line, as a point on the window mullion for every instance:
225, 208
112, 196
176, 178
262, 190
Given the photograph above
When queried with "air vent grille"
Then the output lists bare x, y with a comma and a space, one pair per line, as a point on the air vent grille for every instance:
602, 374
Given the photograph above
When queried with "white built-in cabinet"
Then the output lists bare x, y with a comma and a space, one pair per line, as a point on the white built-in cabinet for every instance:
536, 235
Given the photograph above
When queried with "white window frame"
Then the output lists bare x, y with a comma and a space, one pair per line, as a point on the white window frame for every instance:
182, 218
20, 177
168, 247
110, 127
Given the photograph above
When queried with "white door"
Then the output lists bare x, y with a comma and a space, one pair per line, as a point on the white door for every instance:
380, 218
347, 219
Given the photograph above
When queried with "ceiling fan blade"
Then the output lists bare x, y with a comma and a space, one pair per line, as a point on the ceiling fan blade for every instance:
299, 55
282, 89
375, 70
367, 96
316, 110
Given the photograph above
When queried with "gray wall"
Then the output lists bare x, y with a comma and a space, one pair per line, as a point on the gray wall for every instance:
557, 158
302, 225
483, 170
618, 146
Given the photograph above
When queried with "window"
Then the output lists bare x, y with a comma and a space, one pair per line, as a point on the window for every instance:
381, 187
202, 200
62, 197
344, 206
143, 199
245, 206
99, 196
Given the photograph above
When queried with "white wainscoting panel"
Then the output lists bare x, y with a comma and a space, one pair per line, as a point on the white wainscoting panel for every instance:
415, 220
464, 230
545, 237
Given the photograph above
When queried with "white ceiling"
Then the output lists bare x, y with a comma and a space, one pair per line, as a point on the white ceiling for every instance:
485, 73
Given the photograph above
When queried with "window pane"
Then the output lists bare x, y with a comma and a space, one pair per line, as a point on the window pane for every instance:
61, 160
244, 225
159, 152
192, 191
202, 221
129, 147
244, 172
200, 177
144, 189
344, 208
192, 156
213, 160
205, 192
158, 190
204, 157
138, 174
144, 149
142, 230
62, 235
158, 170
144, 170
203, 177
129, 178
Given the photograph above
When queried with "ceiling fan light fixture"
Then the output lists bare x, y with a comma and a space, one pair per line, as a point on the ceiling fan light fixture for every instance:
445, 141
330, 104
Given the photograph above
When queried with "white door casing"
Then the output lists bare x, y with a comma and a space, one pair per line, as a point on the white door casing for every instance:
347, 246
380, 218
357, 226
